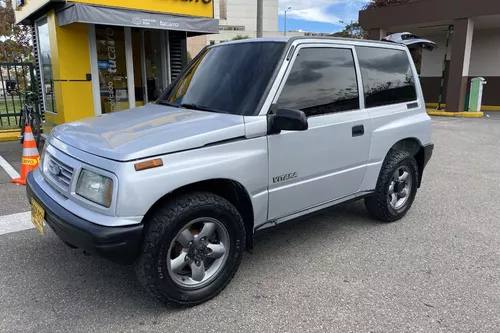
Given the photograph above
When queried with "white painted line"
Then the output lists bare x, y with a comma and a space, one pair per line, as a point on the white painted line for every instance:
8, 168
15, 222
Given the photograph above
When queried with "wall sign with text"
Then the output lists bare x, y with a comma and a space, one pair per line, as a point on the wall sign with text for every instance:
199, 8
203, 1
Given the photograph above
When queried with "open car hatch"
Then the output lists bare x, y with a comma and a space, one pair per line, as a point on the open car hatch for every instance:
411, 41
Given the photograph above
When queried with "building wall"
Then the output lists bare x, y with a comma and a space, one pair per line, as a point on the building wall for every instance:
485, 62
70, 64
242, 16
485, 57
432, 62
244, 13
195, 44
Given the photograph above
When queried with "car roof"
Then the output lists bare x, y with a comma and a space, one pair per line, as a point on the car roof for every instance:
292, 39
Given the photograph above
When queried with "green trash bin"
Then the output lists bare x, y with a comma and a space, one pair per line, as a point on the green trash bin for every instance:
466, 104
476, 94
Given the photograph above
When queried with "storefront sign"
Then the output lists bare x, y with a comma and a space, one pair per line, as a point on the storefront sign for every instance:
110, 38
203, 1
151, 22
112, 67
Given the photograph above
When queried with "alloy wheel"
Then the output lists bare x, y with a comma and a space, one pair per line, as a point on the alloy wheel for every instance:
198, 253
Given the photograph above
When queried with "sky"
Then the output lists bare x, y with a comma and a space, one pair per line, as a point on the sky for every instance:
318, 15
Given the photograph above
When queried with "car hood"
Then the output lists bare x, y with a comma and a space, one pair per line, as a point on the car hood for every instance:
147, 131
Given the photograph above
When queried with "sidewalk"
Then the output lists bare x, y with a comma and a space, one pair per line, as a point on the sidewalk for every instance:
9, 135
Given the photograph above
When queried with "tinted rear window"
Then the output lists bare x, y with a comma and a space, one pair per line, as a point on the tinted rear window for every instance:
387, 76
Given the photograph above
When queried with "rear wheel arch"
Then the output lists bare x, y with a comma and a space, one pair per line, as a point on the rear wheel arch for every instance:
411, 145
231, 190
415, 148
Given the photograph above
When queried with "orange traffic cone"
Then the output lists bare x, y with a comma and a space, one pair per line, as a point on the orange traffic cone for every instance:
30, 157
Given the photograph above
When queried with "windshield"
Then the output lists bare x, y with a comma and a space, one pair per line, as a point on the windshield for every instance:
229, 78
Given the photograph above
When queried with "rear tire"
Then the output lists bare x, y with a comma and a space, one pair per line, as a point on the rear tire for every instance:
396, 187
169, 237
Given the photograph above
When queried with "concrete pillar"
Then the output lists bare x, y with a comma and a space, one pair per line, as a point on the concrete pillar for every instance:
260, 18
376, 34
459, 64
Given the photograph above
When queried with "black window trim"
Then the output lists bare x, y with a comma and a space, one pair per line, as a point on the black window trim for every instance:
415, 78
295, 52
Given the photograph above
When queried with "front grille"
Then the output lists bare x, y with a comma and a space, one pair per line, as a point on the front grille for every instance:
59, 171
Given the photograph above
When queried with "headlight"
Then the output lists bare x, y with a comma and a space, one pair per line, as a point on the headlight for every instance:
94, 187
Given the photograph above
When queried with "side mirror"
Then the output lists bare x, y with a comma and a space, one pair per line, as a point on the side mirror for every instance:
290, 120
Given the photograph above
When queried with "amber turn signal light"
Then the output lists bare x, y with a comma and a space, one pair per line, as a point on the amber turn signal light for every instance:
148, 164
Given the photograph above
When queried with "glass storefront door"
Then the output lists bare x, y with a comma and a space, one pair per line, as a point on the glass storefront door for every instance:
112, 68
131, 66
150, 75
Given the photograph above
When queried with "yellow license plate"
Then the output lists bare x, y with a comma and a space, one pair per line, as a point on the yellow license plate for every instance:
37, 215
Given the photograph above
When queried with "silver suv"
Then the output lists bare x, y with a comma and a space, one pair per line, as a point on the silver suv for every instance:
251, 134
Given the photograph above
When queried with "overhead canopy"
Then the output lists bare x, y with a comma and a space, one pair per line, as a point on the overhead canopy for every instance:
84, 13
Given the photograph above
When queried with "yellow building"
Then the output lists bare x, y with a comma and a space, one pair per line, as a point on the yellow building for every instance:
100, 56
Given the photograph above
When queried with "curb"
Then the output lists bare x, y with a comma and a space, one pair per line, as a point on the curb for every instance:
9, 135
488, 108
455, 114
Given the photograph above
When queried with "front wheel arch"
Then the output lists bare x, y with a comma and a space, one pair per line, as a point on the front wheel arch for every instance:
231, 190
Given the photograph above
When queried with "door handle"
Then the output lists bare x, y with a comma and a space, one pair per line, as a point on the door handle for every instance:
358, 130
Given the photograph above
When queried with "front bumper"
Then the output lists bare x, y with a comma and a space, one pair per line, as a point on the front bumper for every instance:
118, 244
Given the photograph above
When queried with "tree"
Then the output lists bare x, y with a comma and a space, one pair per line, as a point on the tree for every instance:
415, 53
238, 37
354, 29
383, 3
351, 30
15, 40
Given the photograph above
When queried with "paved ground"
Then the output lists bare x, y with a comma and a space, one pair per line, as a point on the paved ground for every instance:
13, 197
435, 271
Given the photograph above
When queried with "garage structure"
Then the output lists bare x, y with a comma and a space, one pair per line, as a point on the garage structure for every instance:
473, 50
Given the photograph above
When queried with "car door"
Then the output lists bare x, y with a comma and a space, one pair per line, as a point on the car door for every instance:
328, 161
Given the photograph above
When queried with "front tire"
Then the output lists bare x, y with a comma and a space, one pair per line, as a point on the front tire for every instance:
192, 248
396, 187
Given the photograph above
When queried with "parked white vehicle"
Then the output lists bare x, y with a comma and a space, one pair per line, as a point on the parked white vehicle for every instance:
253, 133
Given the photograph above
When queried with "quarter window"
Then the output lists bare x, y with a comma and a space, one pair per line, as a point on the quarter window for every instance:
387, 76
322, 81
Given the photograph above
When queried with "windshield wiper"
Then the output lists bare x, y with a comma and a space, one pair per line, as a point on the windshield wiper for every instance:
169, 104
193, 106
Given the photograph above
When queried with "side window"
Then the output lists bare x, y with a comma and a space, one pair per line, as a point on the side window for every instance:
387, 76
322, 80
